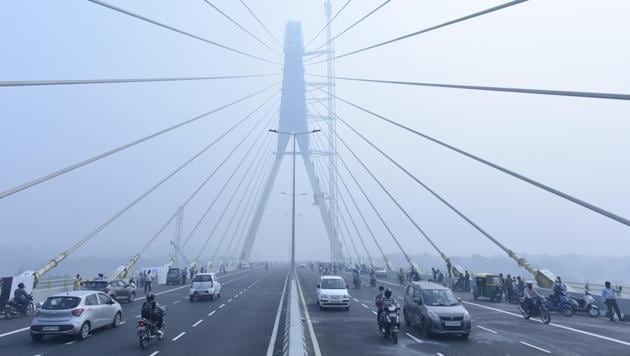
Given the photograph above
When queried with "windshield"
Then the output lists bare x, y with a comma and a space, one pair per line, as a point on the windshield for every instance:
96, 285
61, 303
333, 284
202, 278
173, 272
439, 297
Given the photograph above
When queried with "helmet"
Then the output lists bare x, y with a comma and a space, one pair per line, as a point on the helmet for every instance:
21, 285
388, 293
529, 284
151, 297
381, 288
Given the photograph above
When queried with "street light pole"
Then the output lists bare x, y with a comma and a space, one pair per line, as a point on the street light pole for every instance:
294, 136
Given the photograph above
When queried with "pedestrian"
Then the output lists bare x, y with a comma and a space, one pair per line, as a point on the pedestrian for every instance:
434, 273
509, 288
520, 284
78, 282
467, 281
184, 275
148, 282
608, 294
448, 268
440, 276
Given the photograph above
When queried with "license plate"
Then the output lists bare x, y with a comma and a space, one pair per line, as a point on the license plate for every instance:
50, 328
452, 323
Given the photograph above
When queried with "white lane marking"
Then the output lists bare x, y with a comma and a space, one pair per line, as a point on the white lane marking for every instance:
221, 306
439, 354
535, 347
185, 298
14, 332
235, 296
178, 336
177, 301
373, 312
414, 338
486, 329
138, 316
309, 323
155, 353
122, 322
365, 306
70, 342
230, 300
276, 323
197, 323
553, 324
356, 300
212, 312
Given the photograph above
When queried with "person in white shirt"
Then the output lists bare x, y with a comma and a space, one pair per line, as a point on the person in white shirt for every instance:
608, 294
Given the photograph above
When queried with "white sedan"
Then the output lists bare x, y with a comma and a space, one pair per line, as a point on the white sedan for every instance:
332, 292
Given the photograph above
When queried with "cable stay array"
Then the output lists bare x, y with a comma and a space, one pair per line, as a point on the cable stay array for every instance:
420, 32
327, 24
123, 272
121, 148
182, 32
251, 12
241, 27
62, 256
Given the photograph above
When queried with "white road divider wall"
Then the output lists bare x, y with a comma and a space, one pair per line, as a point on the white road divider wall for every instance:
297, 343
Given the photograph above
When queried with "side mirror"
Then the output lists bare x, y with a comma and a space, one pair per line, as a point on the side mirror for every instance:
111, 301
317, 285
417, 301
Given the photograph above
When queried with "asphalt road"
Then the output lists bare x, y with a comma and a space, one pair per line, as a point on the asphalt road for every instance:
238, 323
242, 321
498, 329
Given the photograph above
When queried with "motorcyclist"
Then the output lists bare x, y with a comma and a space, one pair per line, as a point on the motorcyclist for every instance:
559, 291
372, 277
529, 295
378, 302
20, 297
386, 301
152, 311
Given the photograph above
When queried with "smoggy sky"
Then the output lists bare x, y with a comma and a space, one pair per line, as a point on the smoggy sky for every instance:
577, 145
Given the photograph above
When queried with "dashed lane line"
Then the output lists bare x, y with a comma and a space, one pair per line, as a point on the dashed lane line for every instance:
486, 329
365, 306
356, 300
535, 347
414, 338
626, 343
14, 332
439, 354
197, 323
373, 312
155, 353
229, 300
212, 312
178, 336
221, 306
177, 301
70, 342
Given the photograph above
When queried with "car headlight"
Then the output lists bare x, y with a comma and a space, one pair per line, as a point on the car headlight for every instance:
325, 296
433, 315
466, 316
346, 297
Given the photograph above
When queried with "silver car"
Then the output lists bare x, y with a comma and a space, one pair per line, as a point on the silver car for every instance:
75, 313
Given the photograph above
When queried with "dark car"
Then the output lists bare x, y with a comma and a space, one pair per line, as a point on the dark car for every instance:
174, 276
435, 310
117, 289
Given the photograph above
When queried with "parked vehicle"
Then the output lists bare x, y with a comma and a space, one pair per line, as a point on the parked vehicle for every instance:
332, 292
435, 310
174, 276
587, 304
487, 285
116, 289
562, 305
538, 309
205, 285
75, 313
148, 332
390, 322
12, 309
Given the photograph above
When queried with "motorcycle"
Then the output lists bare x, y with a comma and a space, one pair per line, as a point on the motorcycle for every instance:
356, 280
147, 332
390, 322
538, 309
373, 282
564, 306
12, 309
587, 305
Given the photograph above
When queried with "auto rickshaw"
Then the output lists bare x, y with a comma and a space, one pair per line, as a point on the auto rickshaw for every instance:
487, 285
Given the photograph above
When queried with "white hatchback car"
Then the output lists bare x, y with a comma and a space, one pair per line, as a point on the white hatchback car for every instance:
205, 285
332, 292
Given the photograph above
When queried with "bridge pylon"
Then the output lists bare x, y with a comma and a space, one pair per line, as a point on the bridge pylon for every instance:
293, 118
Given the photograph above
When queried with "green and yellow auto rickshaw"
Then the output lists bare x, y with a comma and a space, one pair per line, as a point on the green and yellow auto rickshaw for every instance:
487, 285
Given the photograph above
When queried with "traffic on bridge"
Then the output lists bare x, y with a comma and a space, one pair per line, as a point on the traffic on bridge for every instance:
329, 177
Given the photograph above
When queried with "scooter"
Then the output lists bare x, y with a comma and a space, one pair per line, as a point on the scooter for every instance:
564, 306
587, 305
390, 322
538, 309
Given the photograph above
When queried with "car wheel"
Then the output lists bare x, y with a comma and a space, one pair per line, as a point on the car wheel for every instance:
116, 322
191, 298
132, 297
213, 297
84, 332
465, 336
37, 337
